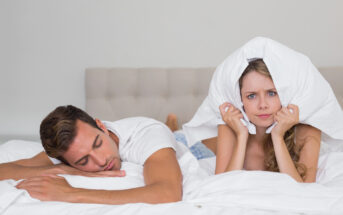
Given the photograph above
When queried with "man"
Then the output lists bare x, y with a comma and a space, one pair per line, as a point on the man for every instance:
77, 144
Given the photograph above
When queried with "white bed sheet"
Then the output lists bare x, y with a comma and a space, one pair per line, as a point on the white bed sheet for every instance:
237, 192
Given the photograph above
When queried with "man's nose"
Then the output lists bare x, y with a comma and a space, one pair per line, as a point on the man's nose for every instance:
99, 159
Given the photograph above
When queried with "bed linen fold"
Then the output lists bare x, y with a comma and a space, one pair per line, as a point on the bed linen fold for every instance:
237, 192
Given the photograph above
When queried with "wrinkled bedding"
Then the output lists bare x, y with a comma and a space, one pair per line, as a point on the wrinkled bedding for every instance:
237, 192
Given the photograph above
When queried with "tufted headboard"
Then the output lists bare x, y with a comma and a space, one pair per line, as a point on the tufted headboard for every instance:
115, 93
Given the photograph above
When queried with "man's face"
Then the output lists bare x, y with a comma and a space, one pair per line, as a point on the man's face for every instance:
92, 150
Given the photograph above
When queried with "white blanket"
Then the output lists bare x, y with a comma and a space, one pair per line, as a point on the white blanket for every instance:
237, 192
296, 79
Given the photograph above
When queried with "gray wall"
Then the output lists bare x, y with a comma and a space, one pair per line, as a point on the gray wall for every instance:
45, 45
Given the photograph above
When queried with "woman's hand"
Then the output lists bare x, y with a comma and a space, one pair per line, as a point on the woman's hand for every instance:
285, 118
232, 117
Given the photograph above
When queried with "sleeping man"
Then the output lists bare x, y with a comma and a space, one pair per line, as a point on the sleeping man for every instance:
76, 144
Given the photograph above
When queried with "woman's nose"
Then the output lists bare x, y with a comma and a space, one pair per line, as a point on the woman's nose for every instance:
263, 103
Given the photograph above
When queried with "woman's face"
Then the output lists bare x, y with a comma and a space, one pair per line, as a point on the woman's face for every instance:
260, 99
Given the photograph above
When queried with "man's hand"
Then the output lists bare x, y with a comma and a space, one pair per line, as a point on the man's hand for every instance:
64, 169
47, 188
162, 175
40, 165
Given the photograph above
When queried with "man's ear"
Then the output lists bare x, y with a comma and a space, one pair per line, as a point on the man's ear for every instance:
101, 126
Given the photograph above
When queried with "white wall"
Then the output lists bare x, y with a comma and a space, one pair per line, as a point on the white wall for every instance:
45, 45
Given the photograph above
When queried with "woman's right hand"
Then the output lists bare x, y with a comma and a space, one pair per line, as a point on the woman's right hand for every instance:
232, 117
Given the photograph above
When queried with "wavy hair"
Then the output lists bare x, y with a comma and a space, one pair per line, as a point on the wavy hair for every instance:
294, 150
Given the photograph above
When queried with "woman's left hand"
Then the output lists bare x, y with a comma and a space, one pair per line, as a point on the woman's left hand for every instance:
285, 118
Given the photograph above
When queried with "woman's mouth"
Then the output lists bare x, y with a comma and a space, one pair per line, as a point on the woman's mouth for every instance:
264, 116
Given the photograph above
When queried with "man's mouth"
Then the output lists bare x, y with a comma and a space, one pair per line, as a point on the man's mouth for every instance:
110, 165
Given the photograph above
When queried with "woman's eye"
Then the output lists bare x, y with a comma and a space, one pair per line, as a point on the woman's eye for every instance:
251, 96
271, 93
98, 145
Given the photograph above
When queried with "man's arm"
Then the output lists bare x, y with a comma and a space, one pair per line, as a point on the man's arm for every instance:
40, 165
26, 168
162, 177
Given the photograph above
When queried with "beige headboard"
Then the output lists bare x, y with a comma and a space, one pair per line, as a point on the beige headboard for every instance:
115, 93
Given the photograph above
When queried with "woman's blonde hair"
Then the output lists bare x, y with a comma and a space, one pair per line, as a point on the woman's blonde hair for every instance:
270, 159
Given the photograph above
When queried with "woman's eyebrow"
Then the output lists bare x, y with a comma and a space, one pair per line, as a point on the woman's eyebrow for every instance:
252, 91
248, 92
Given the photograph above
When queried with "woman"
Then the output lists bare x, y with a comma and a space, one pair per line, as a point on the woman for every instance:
290, 148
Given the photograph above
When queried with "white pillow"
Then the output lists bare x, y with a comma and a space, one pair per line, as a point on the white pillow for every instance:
21, 149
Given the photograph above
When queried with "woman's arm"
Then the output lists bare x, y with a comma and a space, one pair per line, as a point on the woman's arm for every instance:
230, 150
285, 118
309, 139
226, 140
232, 140
284, 160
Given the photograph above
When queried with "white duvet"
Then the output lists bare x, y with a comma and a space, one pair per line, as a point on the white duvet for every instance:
237, 192
297, 82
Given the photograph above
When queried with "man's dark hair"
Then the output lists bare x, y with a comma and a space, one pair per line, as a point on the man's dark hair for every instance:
58, 129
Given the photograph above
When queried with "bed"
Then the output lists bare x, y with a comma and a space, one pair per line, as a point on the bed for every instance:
115, 93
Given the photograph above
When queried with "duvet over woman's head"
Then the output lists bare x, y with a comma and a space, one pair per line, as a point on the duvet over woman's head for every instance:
296, 80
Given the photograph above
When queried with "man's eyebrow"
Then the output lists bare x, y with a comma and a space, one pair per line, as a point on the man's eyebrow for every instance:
94, 143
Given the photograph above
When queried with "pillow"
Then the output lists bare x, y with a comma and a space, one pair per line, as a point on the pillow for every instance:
21, 149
